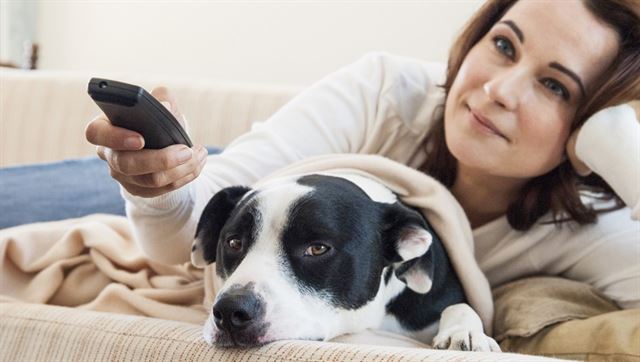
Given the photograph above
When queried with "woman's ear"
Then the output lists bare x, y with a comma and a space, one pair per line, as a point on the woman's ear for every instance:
213, 218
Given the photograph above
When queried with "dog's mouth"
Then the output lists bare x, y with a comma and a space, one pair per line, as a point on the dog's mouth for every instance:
246, 339
228, 340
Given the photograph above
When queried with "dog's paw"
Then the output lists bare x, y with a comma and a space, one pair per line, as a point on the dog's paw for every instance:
462, 338
461, 329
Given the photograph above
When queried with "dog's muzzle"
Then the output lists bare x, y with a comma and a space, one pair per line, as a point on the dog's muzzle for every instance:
239, 316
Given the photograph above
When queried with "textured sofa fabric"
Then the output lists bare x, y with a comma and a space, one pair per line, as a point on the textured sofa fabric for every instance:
33, 332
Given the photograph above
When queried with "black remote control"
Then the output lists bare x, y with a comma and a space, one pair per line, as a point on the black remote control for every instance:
132, 107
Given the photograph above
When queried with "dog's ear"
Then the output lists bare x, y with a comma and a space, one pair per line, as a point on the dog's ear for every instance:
213, 218
408, 240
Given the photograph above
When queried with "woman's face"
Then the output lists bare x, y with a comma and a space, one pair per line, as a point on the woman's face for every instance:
510, 108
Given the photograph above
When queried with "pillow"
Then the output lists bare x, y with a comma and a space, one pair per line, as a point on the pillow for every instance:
56, 191
557, 317
59, 190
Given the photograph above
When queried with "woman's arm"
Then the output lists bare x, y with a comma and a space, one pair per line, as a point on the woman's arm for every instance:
336, 115
604, 254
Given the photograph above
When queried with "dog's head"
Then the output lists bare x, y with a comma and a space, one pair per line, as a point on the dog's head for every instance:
308, 257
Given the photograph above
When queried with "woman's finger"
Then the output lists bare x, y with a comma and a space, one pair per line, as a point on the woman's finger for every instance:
167, 177
143, 191
101, 132
147, 161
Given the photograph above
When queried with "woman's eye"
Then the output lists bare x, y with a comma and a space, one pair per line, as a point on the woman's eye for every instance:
556, 88
504, 46
235, 244
316, 250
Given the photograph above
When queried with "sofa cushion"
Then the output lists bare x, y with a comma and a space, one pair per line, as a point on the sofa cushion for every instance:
557, 317
58, 191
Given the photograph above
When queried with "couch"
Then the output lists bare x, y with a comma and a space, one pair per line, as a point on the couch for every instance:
42, 120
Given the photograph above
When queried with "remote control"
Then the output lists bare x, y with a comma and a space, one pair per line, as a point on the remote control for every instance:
132, 107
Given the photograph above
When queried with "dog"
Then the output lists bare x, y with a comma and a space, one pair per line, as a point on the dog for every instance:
319, 255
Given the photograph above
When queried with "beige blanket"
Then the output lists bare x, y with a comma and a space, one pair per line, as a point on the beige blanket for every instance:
93, 263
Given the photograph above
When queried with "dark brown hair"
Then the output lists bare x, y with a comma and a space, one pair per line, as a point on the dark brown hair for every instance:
558, 190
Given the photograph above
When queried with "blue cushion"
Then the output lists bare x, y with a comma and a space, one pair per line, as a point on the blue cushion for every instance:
59, 190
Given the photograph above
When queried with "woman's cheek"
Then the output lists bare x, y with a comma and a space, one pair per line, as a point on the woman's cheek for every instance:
545, 145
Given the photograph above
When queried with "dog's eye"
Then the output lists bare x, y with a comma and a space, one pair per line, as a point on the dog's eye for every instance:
235, 244
316, 249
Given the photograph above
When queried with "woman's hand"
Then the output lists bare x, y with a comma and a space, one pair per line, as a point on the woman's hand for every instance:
611, 113
146, 172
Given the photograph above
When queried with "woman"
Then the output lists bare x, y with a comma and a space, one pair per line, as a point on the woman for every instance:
530, 106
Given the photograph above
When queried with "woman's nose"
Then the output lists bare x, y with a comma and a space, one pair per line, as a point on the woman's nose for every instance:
506, 89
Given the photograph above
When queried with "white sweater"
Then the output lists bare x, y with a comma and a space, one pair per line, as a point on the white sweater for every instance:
385, 104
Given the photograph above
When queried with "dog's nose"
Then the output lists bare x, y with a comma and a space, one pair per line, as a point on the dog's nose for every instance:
236, 310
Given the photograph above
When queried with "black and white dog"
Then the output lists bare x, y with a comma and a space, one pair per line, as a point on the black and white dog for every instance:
321, 255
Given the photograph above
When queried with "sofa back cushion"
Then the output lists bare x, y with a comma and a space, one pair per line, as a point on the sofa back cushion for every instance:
43, 114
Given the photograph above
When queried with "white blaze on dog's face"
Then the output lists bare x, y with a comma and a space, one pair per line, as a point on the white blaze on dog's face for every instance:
303, 257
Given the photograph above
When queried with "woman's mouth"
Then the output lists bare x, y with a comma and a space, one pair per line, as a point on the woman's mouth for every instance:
484, 125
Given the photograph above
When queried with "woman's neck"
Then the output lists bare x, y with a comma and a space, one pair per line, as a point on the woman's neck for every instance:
483, 197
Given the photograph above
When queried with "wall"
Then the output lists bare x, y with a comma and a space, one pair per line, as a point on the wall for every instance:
259, 41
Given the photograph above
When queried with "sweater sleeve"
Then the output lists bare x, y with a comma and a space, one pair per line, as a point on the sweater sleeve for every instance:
609, 143
332, 116
604, 254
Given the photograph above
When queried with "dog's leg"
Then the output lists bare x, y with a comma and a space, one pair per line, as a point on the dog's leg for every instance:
461, 329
